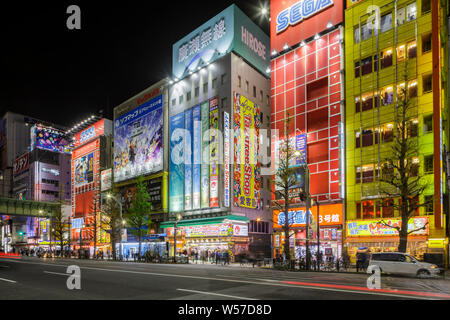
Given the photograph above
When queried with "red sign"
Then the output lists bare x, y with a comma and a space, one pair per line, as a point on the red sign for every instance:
85, 149
292, 21
21, 164
97, 129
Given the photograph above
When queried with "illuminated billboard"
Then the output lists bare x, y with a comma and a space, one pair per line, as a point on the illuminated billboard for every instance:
84, 170
247, 171
376, 228
21, 164
49, 139
138, 141
97, 129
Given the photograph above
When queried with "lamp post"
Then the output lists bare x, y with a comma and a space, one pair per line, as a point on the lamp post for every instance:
175, 238
81, 240
109, 196
318, 235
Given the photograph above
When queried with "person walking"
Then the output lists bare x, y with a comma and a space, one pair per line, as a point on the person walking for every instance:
217, 256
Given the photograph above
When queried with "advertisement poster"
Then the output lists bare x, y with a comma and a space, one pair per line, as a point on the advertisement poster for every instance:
138, 141
176, 196
188, 160
106, 177
209, 230
214, 152
205, 156
376, 228
49, 139
226, 170
197, 156
84, 170
247, 172
329, 215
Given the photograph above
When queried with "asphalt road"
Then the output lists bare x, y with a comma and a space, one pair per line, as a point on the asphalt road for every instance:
46, 279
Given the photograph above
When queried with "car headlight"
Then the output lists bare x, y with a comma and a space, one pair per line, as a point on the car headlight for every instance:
433, 267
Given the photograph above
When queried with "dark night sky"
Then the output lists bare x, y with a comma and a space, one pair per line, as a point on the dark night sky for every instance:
123, 47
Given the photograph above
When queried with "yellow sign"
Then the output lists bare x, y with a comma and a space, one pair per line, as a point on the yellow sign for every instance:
247, 171
436, 243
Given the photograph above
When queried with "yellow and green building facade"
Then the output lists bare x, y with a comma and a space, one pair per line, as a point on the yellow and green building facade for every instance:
407, 50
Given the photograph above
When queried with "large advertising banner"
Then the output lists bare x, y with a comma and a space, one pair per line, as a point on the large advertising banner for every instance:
138, 141
177, 134
329, 215
49, 139
84, 170
226, 157
90, 133
188, 160
205, 156
197, 156
247, 172
106, 177
214, 152
377, 228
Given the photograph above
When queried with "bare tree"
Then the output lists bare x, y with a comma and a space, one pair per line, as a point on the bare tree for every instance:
110, 221
60, 223
400, 178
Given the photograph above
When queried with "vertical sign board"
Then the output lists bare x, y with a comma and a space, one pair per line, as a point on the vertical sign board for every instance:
188, 160
300, 145
177, 163
197, 156
205, 155
247, 173
226, 134
214, 152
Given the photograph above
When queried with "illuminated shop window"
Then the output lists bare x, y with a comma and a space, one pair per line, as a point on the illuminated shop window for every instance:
411, 12
401, 15
412, 49
401, 52
387, 95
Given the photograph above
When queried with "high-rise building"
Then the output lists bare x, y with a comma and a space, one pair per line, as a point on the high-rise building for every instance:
393, 48
219, 129
307, 107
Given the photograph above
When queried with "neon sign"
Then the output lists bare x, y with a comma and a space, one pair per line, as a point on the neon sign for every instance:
300, 11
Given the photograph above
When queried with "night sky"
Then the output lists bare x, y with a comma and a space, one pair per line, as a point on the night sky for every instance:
123, 47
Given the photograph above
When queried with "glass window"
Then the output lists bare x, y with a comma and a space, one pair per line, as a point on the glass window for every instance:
223, 78
246, 86
388, 208
367, 174
427, 83
386, 22
428, 164
239, 81
366, 32
411, 12
367, 138
188, 96
426, 6
414, 168
254, 91
388, 132
412, 88
366, 66
426, 43
261, 95
357, 104
174, 102
401, 52
401, 91
401, 16
368, 210
205, 87
197, 91
428, 123
358, 174
180, 99
413, 128
412, 49
387, 171
356, 35
367, 101
358, 139
214, 83
357, 69
387, 95
386, 58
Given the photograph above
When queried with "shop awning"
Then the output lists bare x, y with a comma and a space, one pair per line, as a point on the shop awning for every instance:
198, 222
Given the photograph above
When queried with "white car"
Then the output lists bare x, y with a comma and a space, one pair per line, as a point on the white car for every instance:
402, 264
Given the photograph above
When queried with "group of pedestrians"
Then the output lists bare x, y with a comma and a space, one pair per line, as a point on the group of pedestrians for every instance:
208, 256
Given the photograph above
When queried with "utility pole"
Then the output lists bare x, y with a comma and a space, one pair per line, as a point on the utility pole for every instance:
308, 205
318, 235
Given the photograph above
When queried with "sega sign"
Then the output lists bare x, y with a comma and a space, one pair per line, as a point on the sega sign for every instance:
87, 134
293, 21
300, 11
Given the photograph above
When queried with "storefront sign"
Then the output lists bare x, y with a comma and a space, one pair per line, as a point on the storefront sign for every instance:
97, 129
211, 230
329, 215
247, 172
240, 230
77, 223
106, 179
293, 21
226, 134
376, 228
21, 164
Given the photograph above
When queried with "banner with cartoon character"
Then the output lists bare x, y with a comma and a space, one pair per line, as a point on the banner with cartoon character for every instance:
247, 171
84, 170
205, 156
177, 138
214, 152
138, 141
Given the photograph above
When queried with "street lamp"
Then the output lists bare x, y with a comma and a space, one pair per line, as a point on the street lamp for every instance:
109, 196
175, 238
318, 234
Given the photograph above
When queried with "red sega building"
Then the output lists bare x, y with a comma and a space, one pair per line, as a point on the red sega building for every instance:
307, 87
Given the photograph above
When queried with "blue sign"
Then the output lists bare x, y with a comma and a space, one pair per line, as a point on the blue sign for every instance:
300, 145
87, 134
77, 223
177, 136
295, 217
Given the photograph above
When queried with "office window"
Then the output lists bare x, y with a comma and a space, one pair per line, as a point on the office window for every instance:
188, 96
401, 53
358, 174
224, 102
261, 95
357, 69
386, 58
214, 83
413, 128
367, 101
411, 12
357, 104
427, 82
367, 137
429, 205
412, 49
366, 66
387, 95
197, 91
414, 167
180, 99
239, 81
367, 173
428, 164
368, 210
356, 35
426, 43
366, 32
205, 87
401, 16
412, 89
387, 133
428, 123
401, 92
386, 22
223, 79
426, 6
174, 102
387, 171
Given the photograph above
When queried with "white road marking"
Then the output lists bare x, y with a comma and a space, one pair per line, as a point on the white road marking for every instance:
57, 273
216, 294
1, 279
242, 281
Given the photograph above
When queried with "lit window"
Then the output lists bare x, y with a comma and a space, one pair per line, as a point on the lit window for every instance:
356, 35
412, 50
387, 96
386, 58
386, 22
411, 12
426, 43
412, 89
401, 53
401, 16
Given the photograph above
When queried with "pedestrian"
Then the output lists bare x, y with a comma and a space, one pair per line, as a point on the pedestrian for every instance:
217, 256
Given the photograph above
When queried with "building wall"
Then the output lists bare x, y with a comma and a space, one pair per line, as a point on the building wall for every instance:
419, 67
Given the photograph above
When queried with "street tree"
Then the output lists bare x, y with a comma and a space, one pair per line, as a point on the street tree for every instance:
60, 222
109, 221
138, 216
400, 178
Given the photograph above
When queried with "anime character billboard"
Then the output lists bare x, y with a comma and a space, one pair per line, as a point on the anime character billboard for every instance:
84, 170
138, 141
49, 139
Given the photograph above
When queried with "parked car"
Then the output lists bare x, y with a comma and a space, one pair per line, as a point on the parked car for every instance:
402, 264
